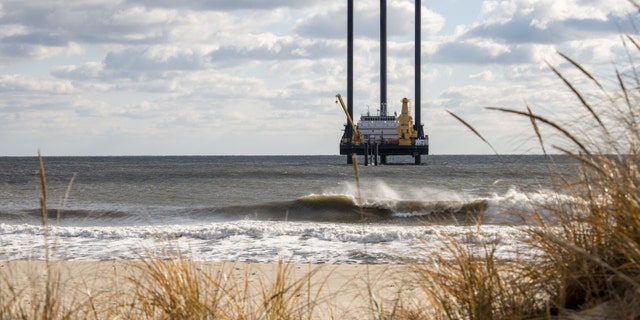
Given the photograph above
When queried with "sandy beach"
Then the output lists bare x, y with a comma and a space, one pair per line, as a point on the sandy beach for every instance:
117, 289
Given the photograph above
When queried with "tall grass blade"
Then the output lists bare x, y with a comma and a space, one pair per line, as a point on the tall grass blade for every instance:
578, 95
583, 70
635, 43
354, 159
546, 121
470, 127
43, 197
534, 124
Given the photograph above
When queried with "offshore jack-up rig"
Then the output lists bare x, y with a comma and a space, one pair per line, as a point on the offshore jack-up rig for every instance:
377, 136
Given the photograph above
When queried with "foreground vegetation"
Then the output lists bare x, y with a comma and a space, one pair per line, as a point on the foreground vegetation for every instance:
587, 263
588, 266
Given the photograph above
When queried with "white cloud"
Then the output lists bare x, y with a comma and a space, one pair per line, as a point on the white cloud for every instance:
485, 75
541, 13
15, 84
89, 70
137, 16
138, 76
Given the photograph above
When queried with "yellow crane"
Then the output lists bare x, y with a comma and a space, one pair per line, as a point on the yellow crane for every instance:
356, 138
406, 133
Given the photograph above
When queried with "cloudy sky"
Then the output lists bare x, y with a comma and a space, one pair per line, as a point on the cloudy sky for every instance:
218, 77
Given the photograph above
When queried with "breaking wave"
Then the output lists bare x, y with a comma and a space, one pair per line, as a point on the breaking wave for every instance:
347, 209
380, 203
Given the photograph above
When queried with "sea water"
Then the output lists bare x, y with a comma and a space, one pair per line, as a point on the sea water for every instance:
300, 209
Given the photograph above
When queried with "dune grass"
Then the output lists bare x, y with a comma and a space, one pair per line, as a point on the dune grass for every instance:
592, 257
588, 261
180, 289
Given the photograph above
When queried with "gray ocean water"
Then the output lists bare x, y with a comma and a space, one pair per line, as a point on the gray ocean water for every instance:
264, 208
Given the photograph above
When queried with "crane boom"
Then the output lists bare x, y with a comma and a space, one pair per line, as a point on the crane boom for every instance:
355, 138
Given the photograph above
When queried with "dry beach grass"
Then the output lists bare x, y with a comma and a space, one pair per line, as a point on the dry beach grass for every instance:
180, 289
588, 266
587, 263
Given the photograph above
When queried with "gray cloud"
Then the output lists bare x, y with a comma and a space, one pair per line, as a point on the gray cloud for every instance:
141, 59
472, 53
280, 50
19, 84
522, 30
38, 38
330, 25
333, 24
57, 23
226, 5
86, 71
519, 35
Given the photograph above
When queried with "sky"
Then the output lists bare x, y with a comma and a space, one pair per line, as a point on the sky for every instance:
258, 77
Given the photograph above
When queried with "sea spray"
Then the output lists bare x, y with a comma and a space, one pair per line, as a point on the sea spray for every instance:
520, 207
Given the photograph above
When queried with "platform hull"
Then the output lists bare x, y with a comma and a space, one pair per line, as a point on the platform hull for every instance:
373, 152
385, 149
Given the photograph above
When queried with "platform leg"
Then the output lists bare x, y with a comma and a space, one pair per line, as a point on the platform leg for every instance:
417, 159
349, 159
366, 154
376, 156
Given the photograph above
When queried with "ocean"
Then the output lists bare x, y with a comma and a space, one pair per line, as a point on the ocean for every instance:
299, 209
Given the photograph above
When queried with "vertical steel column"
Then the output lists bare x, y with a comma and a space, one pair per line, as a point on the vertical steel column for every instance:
348, 131
383, 57
377, 153
366, 154
417, 105
350, 58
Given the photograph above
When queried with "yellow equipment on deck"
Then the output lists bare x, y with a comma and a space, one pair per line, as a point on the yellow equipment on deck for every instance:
405, 129
356, 138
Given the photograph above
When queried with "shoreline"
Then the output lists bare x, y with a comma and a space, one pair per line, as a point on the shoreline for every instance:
112, 288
